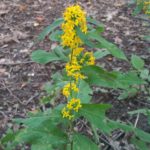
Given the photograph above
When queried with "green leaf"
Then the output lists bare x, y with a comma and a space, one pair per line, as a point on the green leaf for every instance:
42, 119
103, 43
142, 111
95, 114
144, 74
113, 125
59, 51
98, 76
137, 62
140, 145
142, 135
95, 22
101, 53
125, 80
56, 36
84, 38
84, 92
43, 57
81, 142
9, 136
50, 28
138, 8
128, 93
32, 136
147, 38
99, 26
41, 147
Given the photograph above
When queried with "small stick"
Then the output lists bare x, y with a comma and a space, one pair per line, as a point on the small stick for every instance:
31, 98
10, 92
137, 119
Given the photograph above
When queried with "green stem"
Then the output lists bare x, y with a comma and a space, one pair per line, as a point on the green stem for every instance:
71, 77
71, 133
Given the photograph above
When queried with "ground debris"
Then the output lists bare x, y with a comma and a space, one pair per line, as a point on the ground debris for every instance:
15, 36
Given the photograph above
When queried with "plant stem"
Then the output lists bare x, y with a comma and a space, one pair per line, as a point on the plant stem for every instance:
71, 77
71, 133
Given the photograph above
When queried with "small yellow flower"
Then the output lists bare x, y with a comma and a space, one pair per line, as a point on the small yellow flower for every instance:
67, 113
72, 106
89, 58
77, 51
68, 88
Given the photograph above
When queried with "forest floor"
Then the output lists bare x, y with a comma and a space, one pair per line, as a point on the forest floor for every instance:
21, 80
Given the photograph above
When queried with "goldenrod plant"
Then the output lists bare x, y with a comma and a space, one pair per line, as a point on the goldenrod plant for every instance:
80, 45
142, 6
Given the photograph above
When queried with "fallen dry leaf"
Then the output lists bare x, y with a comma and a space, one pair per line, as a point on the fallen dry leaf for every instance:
40, 19
3, 72
23, 7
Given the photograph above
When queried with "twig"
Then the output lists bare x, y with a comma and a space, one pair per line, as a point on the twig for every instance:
137, 119
30, 99
144, 103
143, 19
4, 115
10, 92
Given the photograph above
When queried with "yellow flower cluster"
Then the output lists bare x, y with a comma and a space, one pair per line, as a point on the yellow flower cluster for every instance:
146, 6
74, 17
88, 59
68, 87
73, 69
73, 106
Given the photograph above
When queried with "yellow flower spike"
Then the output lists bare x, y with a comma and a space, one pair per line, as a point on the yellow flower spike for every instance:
68, 87
77, 51
73, 16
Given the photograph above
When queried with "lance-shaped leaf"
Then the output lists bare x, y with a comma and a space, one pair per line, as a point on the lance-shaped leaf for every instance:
50, 28
137, 62
43, 57
103, 43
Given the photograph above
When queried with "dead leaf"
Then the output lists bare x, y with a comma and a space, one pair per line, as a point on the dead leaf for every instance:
23, 84
40, 19
111, 14
23, 7
118, 40
3, 72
